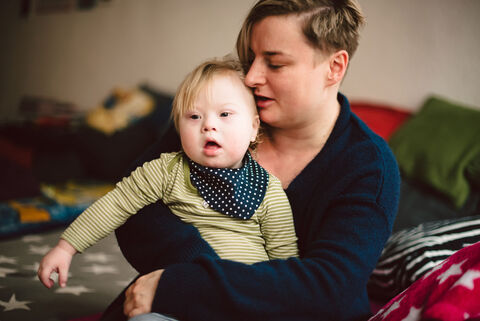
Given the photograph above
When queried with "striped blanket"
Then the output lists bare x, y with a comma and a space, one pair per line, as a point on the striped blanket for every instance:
448, 292
411, 253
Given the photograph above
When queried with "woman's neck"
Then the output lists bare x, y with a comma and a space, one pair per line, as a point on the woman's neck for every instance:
312, 135
285, 152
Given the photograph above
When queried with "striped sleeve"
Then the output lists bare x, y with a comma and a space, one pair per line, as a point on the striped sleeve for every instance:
277, 223
144, 186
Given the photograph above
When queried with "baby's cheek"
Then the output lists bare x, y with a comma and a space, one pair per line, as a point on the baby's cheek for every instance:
188, 146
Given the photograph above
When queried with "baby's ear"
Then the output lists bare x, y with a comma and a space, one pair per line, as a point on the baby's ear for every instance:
255, 126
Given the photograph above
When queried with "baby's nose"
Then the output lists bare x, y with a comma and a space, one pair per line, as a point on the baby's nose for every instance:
208, 128
209, 125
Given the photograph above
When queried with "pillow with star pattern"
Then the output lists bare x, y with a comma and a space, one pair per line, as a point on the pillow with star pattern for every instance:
449, 291
411, 253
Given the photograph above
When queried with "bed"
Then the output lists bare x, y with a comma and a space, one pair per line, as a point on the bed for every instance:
54, 162
53, 168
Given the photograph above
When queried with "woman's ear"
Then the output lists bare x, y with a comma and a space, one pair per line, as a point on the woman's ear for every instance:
338, 64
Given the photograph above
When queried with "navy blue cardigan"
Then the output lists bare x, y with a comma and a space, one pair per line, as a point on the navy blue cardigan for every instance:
344, 204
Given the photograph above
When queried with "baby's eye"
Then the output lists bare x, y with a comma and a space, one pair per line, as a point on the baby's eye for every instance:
225, 114
194, 116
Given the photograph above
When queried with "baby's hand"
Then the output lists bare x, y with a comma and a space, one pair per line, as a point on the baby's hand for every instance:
57, 260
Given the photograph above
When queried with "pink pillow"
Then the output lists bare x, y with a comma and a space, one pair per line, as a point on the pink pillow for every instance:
449, 292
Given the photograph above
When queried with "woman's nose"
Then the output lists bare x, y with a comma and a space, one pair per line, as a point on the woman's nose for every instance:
255, 75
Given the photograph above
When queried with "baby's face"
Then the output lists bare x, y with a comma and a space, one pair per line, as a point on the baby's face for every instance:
223, 122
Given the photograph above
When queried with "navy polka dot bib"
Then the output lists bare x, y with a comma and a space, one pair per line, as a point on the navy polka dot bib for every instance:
236, 192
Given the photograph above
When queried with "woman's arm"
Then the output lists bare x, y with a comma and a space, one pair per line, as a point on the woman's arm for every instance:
328, 282
344, 204
343, 207
339, 246
147, 238
155, 238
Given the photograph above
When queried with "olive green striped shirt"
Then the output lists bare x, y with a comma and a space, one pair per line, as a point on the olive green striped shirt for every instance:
268, 234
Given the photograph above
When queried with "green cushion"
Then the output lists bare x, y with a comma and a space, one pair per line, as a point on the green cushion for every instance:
473, 171
438, 146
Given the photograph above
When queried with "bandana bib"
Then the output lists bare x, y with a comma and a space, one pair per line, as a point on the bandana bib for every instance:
236, 192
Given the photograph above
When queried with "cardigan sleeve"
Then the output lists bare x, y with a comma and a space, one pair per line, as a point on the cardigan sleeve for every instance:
339, 241
339, 251
147, 238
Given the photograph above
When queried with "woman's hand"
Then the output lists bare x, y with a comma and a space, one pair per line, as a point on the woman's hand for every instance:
139, 296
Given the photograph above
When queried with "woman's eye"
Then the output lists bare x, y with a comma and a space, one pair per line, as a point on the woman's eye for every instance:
272, 66
225, 114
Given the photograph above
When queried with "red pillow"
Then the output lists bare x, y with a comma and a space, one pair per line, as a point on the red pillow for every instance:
382, 119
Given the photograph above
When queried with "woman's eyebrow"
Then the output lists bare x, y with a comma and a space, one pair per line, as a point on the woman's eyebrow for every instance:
275, 53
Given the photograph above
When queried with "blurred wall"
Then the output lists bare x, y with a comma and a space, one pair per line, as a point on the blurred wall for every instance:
409, 49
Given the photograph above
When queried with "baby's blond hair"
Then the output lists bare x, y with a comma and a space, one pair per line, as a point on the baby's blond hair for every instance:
200, 77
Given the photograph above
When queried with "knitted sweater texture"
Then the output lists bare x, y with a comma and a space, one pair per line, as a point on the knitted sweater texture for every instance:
344, 203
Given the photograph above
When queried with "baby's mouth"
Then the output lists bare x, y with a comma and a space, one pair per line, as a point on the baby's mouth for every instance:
212, 144
211, 148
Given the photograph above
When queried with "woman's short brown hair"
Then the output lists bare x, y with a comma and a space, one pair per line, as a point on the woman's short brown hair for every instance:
328, 25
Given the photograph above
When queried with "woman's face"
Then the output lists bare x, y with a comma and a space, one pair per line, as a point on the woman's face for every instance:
287, 74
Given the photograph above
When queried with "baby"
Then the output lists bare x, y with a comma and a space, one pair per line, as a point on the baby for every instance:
213, 183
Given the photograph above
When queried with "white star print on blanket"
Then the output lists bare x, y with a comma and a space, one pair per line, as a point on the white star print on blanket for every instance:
13, 304
96, 278
450, 292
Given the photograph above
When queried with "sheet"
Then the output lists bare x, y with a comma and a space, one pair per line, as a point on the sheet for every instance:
96, 277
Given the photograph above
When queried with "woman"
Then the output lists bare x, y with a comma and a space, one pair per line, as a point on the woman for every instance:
341, 179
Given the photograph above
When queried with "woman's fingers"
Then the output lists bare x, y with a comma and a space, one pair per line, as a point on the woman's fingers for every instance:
127, 305
139, 296
135, 312
133, 304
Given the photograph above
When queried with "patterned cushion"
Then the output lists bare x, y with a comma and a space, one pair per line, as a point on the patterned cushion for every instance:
449, 292
58, 206
411, 253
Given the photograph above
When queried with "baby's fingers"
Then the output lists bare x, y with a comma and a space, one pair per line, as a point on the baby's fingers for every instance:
63, 276
44, 276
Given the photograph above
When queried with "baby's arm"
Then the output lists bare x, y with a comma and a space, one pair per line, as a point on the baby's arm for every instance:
102, 218
141, 188
56, 260
277, 224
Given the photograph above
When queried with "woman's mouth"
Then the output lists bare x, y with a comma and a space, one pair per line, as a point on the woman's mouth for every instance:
262, 101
